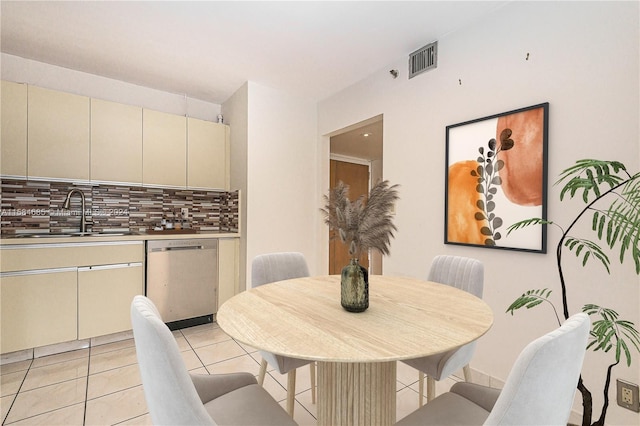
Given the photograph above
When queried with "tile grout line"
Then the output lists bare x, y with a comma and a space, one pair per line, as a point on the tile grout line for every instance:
31, 368
192, 349
86, 390
18, 392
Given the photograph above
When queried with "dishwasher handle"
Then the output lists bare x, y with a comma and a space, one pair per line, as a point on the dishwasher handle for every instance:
160, 246
159, 249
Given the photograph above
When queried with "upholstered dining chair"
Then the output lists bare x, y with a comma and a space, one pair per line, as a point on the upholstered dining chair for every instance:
539, 389
265, 269
175, 397
466, 274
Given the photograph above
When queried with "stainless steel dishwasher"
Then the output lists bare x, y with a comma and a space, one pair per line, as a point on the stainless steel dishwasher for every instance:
182, 280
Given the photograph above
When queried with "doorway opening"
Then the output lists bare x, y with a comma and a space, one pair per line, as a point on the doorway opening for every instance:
356, 160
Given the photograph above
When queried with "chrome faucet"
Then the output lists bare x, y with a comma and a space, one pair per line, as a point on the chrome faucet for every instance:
67, 204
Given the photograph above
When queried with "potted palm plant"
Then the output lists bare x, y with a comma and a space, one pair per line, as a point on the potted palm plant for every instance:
362, 225
612, 198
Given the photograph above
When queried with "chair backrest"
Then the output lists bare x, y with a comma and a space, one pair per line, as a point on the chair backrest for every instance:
465, 274
461, 272
542, 383
171, 396
269, 268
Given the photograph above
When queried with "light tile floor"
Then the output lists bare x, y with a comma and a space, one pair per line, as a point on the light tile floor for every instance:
101, 385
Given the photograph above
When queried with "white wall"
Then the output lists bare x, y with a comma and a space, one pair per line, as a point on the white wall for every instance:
235, 110
275, 166
15, 68
583, 60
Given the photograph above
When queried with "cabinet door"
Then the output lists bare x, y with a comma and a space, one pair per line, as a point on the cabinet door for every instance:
116, 142
207, 154
164, 149
104, 298
38, 308
228, 269
14, 129
58, 141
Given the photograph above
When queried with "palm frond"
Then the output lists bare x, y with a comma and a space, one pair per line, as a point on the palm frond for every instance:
528, 222
608, 332
531, 299
589, 176
590, 249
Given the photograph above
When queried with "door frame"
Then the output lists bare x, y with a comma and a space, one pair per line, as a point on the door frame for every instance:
374, 257
375, 175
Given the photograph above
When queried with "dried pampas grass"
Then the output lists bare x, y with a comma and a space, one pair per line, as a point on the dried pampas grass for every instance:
359, 224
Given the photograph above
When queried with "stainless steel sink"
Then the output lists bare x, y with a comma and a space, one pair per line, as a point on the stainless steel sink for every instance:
53, 235
76, 234
100, 234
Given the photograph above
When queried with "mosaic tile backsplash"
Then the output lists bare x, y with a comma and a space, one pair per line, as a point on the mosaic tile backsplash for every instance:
36, 206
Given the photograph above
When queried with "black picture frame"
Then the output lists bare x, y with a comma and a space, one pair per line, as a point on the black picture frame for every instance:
496, 175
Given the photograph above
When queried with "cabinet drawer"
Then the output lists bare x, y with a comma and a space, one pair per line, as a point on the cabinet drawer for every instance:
46, 256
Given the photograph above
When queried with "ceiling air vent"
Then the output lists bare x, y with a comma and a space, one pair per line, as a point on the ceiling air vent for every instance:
423, 59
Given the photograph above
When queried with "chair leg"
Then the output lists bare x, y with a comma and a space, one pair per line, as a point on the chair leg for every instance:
263, 371
467, 373
431, 388
312, 371
291, 391
420, 388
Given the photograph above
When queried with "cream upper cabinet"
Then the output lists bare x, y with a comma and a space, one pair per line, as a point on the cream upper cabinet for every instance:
116, 142
58, 138
164, 149
207, 154
49, 134
14, 129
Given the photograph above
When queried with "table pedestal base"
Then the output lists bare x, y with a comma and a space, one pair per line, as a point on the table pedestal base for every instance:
356, 393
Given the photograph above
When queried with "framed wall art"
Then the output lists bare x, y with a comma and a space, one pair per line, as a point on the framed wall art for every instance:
496, 175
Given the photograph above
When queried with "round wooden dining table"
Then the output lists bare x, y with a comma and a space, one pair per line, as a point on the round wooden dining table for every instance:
356, 352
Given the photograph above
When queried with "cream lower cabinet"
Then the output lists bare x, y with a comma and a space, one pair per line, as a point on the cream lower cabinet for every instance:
54, 293
228, 269
104, 298
38, 308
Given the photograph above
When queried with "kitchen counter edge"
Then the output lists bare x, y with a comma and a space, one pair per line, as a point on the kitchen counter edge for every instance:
137, 237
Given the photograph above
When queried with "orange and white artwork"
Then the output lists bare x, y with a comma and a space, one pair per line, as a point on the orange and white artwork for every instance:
496, 176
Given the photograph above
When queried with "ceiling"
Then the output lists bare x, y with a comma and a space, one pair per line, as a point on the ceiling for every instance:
208, 49
362, 141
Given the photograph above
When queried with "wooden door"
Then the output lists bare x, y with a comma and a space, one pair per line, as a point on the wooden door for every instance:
357, 177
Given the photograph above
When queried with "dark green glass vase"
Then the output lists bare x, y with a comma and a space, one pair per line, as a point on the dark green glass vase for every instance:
354, 287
